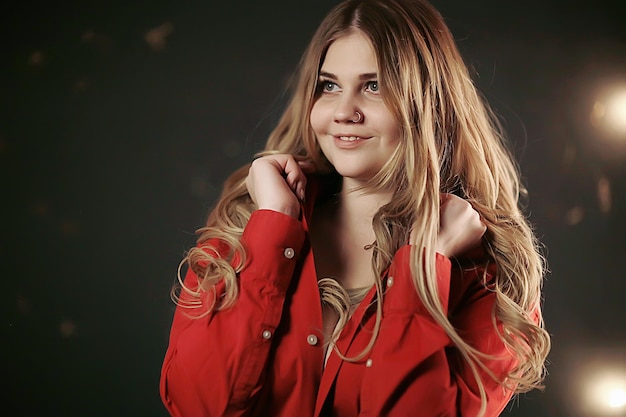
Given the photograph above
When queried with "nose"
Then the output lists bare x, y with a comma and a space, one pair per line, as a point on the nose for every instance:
347, 111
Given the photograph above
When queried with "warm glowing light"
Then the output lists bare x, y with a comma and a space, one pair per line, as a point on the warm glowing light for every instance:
606, 393
617, 398
596, 384
609, 112
616, 111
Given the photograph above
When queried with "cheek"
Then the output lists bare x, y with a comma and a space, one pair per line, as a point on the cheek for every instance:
396, 135
392, 129
319, 118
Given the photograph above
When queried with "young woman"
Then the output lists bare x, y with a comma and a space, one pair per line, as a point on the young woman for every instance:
372, 260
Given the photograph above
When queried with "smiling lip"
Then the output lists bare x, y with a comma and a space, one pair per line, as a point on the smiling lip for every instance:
347, 141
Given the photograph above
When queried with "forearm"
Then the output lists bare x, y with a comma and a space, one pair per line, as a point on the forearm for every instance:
214, 365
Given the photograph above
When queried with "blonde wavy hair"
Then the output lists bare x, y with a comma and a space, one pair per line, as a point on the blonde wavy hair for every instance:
452, 142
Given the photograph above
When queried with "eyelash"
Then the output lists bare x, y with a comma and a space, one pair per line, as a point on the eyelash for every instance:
324, 84
369, 83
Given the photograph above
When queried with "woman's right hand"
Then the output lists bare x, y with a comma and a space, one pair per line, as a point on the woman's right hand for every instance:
277, 182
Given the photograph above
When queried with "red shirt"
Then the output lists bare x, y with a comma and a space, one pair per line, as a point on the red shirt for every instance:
265, 355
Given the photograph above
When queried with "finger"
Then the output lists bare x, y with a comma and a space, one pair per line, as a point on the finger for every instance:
299, 178
300, 189
295, 177
293, 173
297, 184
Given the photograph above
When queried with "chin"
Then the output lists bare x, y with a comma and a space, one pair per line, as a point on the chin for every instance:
354, 174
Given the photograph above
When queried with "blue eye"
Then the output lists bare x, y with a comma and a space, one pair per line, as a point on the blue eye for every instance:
326, 86
373, 86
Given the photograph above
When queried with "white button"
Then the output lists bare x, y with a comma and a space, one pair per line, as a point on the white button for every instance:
369, 363
267, 335
289, 253
311, 339
389, 282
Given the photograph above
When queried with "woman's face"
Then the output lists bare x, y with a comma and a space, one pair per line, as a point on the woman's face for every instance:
354, 128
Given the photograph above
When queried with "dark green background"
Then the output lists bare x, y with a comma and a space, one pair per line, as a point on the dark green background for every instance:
112, 152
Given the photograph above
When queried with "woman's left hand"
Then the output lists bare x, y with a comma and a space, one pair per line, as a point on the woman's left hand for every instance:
460, 226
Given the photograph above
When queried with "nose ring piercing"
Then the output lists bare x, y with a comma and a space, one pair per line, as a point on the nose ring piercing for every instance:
359, 117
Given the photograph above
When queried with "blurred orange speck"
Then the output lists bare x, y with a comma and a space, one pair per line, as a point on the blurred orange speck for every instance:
36, 58
574, 215
604, 195
24, 306
69, 228
67, 328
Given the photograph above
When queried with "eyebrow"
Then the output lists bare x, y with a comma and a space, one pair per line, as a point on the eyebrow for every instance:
367, 76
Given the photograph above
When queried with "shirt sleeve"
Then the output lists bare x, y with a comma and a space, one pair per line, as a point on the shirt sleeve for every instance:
473, 318
214, 365
417, 360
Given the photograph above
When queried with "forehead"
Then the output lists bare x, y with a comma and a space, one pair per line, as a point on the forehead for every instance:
352, 53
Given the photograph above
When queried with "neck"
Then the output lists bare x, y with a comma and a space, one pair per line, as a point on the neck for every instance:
342, 235
357, 207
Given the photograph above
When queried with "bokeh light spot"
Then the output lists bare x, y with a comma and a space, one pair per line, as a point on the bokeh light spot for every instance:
80, 85
23, 304
609, 112
604, 195
574, 215
87, 36
67, 328
616, 111
69, 228
157, 37
605, 392
617, 398
36, 58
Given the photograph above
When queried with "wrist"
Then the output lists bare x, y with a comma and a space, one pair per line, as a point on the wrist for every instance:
290, 211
